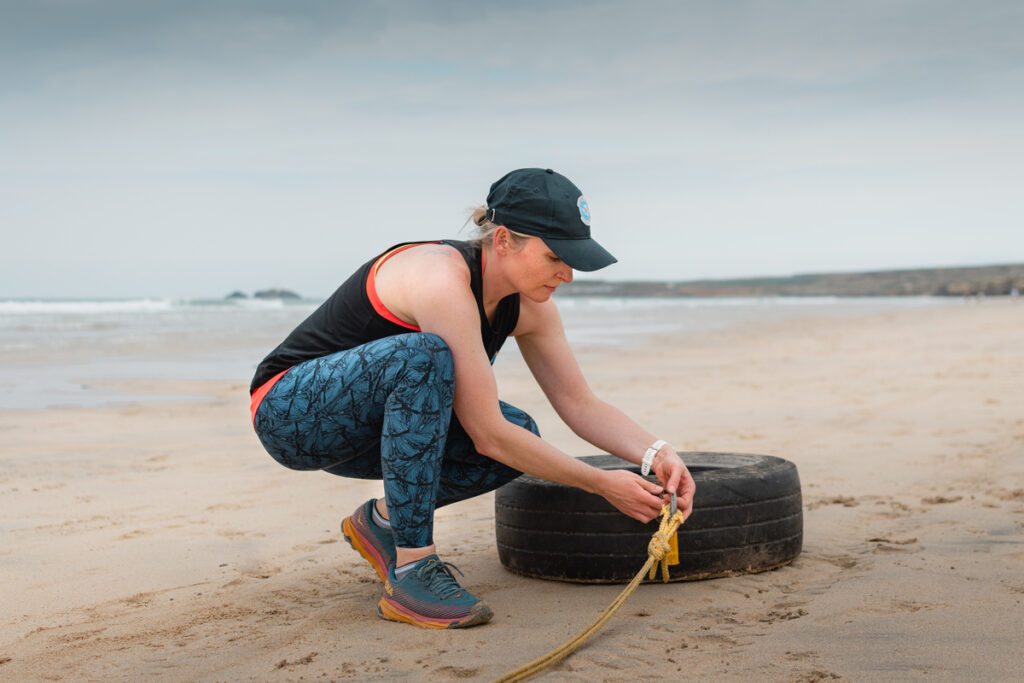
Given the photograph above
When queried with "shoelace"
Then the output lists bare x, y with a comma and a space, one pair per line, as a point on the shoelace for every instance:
439, 578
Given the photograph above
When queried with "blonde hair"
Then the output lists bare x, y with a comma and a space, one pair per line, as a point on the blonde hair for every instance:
484, 232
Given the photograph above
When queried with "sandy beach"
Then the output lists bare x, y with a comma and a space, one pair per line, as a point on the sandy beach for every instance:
157, 540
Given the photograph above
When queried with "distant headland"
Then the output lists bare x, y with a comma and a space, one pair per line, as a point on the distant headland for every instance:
265, 294
996, 280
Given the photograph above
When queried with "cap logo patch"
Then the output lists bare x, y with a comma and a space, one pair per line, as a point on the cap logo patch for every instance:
584, 210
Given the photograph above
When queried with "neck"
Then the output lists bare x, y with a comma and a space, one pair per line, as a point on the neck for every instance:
495, 285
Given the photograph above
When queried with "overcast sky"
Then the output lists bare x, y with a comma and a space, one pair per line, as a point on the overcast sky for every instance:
188, 149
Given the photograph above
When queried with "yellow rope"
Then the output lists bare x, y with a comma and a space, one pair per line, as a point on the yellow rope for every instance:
657, 551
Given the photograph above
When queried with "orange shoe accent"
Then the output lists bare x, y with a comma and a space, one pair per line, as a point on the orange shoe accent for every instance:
355, 539
481, 614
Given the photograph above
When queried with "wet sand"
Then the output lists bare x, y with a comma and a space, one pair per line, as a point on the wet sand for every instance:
156, 539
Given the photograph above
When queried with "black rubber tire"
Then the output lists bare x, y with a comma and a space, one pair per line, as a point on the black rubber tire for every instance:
747, 517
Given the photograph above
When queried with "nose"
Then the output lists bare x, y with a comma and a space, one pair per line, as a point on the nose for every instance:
566, 275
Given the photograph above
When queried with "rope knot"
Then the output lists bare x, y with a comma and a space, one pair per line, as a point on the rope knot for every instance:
658, 548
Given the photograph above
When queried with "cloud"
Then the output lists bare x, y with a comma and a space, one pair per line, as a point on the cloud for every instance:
733, 133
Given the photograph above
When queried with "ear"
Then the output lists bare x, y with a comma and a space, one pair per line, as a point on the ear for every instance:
502, 241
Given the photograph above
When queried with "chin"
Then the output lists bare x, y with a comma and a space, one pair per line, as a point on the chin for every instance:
541, 295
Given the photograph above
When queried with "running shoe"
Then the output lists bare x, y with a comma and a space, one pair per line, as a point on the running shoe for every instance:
429, 596
373, 542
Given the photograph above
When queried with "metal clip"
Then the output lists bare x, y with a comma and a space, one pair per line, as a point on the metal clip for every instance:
672, 511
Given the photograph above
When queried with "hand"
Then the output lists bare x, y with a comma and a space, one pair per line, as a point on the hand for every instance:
631, 494
674, 476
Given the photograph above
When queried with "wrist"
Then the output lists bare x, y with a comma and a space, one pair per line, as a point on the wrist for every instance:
649, 456
595, 482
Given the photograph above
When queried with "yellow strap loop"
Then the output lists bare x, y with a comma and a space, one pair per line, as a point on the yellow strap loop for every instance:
657, 553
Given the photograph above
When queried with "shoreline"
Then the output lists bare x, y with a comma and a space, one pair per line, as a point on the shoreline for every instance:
71, 359
158, 539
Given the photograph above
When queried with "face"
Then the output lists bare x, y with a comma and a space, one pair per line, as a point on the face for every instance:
535, 270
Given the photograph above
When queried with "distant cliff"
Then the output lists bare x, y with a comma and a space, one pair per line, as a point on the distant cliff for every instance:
275, 294
988, 280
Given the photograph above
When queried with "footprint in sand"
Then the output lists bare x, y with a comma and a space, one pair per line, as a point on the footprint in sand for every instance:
890, 545
841, 561
782, 615
134, 533
1008, 495
941, 500
260, 572
896, 509
903, 606
457, 672
845, 501
226, 506
308, 659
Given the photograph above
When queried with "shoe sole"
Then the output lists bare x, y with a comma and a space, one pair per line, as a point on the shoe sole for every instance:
479, 614
355, 539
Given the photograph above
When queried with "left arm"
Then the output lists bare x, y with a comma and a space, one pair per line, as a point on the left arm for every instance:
541, 339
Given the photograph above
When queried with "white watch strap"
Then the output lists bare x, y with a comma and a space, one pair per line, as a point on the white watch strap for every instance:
645, 464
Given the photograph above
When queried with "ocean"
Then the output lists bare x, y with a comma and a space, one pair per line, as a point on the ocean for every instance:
75, 352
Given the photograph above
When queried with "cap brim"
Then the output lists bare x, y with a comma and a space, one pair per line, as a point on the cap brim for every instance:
585, 255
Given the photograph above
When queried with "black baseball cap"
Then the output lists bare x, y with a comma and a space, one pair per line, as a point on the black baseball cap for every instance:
545, 204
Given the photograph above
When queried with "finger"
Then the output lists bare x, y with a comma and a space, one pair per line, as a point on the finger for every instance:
685, 487
645, 516
651, 487
686, 506
651, 505
673, 480
654, 511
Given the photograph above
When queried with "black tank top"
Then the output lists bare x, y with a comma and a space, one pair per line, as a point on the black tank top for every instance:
348, 319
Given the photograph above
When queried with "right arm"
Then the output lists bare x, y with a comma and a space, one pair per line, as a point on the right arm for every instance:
442, 303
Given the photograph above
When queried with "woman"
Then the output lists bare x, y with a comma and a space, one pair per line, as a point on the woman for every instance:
366, 387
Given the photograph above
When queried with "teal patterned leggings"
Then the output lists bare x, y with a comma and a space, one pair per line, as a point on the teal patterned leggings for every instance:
383, 410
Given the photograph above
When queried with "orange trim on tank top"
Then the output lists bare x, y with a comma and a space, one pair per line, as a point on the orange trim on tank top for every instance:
371, 287
259, 394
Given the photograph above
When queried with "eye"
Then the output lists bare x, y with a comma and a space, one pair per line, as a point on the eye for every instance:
553, 258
